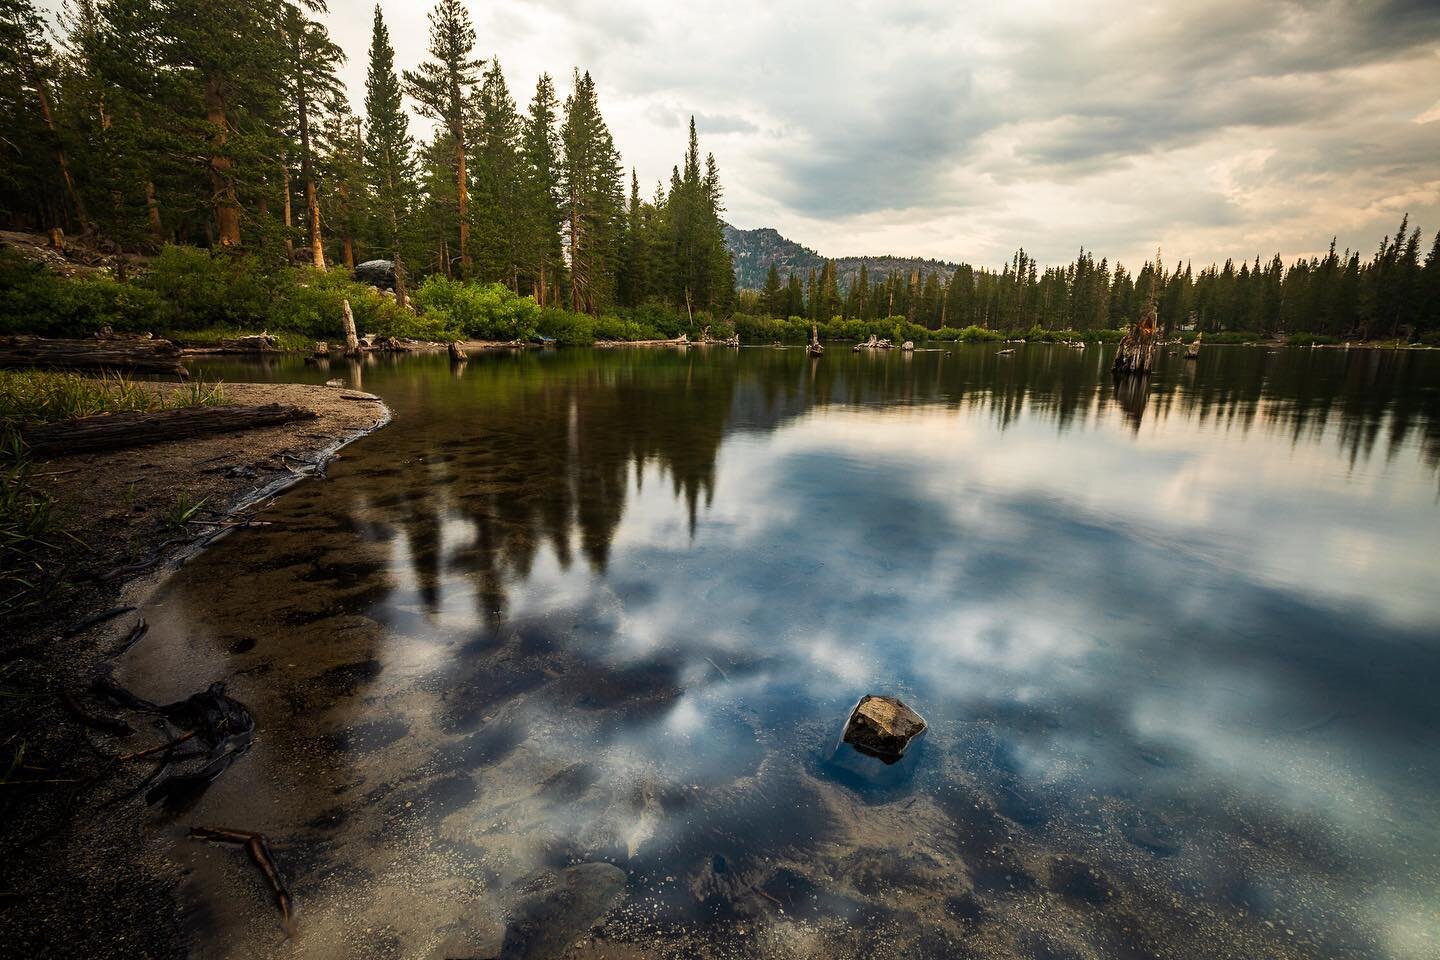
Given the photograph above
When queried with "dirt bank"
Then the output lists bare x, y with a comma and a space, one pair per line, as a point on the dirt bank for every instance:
78, 862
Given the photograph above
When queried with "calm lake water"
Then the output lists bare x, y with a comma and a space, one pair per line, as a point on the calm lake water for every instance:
1178, 645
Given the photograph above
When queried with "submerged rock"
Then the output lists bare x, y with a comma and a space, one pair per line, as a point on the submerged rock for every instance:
559, 910
883, 727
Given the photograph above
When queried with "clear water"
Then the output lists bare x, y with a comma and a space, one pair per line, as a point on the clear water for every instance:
1178, 646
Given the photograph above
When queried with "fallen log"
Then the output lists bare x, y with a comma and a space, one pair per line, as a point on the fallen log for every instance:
131, 429
254, 343
132, 355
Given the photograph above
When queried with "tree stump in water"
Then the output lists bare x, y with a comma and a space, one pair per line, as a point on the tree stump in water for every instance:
1192, 352
815, 348
352, 342
1137, 347
456, 353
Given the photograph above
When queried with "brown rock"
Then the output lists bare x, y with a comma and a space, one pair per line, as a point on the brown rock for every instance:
883, 726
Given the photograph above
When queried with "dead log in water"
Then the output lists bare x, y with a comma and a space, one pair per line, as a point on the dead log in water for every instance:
254, 343
130, 355
132, 429
1136, 353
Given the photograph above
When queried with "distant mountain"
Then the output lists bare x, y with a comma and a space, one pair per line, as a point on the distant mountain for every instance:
752, 252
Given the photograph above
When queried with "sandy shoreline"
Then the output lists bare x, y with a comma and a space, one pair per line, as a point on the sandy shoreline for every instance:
94, 877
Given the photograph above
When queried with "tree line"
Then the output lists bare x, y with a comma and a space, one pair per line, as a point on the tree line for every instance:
152, 122
1395, 293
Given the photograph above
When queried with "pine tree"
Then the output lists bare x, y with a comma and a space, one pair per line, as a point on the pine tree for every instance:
590, 182
342, 167
29, 72
310, 79
541, 254
772, 297
389, 150
634, 280
498, 207
441, 88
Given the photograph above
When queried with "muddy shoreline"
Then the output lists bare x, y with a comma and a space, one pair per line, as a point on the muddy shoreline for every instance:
78, 866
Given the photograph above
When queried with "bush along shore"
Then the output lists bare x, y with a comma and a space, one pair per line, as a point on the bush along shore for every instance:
203, 300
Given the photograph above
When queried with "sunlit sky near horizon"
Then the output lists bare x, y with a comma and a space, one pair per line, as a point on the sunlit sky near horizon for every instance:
963, 131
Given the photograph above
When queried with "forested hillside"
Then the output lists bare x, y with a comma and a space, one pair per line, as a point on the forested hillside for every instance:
1395, 293
753, 251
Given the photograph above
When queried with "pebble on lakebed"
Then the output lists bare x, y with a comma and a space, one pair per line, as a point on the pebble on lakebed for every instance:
883, 727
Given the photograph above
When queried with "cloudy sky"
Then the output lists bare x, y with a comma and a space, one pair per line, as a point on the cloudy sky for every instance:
963, 131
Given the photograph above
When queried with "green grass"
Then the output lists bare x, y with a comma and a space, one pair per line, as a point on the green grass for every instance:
28, 532
38, 396
26, 527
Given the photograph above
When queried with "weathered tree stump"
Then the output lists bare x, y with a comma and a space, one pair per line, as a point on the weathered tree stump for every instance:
352, 342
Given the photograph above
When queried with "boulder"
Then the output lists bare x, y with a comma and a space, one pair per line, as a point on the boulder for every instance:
883, 727
380, 273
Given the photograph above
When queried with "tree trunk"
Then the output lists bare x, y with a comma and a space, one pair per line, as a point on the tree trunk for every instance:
222, 181
27, 69
400, 295
352, 342
152, 208
289, 241
317, 245
463, 194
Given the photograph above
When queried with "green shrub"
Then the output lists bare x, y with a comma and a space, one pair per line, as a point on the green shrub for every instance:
483, 311
1230, 336
203, 289
34, 300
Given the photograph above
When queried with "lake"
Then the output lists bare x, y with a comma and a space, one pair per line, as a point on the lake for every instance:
1177, 643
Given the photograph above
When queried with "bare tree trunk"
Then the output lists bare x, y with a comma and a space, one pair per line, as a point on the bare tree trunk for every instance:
288, 214
400, 296
352, 342
222, 181
347, 242
463, 194
152, 207
317, 245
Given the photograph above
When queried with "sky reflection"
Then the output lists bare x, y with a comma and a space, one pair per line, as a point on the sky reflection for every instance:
1193, 645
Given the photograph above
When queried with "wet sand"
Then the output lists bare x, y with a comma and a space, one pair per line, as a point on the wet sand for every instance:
76, 867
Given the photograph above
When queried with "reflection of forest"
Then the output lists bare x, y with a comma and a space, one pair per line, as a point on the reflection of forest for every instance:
542, 448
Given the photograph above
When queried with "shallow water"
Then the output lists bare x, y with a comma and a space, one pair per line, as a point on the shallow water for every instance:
1178, 646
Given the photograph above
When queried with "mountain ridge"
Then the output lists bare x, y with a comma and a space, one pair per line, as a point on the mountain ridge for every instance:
752, 251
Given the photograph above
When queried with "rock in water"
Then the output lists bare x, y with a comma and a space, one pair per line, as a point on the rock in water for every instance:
561, 908
883, 727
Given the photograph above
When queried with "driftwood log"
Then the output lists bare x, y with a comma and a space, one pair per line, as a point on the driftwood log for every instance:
254, 343
117, 430
132, 355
